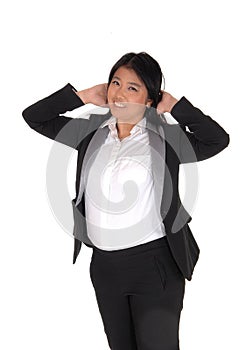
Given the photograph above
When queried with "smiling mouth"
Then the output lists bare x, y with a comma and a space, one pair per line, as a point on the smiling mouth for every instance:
119, 104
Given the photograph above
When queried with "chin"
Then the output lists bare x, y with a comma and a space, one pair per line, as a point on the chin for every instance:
126, 114
120, 113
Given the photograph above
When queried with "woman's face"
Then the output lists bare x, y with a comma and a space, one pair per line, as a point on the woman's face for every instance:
127, 96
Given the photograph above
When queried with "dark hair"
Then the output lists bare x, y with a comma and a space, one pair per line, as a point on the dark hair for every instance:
147, 69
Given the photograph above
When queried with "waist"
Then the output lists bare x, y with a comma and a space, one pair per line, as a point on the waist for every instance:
157, 243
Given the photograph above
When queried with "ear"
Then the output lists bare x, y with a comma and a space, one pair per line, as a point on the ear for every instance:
149, 102
160, 95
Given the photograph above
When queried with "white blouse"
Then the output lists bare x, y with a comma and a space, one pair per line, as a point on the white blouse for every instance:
119, 196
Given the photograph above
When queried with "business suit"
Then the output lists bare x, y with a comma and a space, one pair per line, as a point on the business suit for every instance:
206, 138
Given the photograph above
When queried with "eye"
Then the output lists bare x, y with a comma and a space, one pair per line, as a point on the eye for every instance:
132, 88
115, 82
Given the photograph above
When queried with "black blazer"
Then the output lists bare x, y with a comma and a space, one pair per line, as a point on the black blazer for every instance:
204, 139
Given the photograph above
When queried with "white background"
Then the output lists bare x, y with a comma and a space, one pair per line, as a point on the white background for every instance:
46, 301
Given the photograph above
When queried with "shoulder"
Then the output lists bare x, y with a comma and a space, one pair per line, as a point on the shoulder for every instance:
96, 119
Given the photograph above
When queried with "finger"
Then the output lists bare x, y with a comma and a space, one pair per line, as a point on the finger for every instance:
158, 111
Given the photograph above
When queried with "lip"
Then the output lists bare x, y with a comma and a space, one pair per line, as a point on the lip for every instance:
119, 104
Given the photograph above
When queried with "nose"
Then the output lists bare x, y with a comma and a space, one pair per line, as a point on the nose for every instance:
120, 95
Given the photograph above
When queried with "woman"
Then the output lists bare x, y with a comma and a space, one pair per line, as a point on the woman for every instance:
127, 206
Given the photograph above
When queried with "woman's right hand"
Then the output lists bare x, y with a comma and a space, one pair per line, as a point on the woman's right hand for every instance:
96, 95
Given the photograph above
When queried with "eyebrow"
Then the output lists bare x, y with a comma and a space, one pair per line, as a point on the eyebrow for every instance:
129, 82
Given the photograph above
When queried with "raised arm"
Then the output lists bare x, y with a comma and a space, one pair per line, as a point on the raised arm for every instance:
45, 116
204, 137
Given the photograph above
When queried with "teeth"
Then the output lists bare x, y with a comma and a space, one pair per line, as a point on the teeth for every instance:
118, 104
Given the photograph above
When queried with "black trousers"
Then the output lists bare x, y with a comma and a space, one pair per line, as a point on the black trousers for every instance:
139, 292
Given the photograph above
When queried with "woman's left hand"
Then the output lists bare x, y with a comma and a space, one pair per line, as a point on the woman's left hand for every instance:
167, 103
96, 95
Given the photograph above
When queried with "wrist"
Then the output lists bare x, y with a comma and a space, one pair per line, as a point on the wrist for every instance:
83, 96
172, 103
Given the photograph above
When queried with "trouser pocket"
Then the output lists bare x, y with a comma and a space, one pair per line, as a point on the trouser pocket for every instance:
160, 269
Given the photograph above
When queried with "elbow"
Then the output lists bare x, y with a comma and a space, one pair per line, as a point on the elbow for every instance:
225, 141
222, 143
25, 114
28, 116
214, 149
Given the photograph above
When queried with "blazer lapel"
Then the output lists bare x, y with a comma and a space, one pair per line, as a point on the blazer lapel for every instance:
158, 153
97, 140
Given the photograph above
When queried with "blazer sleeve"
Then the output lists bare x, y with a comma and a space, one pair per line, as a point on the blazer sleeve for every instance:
45, 117
205, 137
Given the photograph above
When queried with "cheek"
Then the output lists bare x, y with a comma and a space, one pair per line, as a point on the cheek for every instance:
140, 100
110, 92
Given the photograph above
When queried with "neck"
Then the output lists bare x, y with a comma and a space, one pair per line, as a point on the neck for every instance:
124, 129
